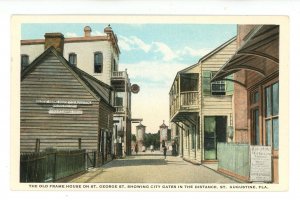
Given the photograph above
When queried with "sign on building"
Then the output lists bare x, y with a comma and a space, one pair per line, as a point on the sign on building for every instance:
261, 164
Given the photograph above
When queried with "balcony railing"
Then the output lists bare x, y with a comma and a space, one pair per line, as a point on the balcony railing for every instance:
186, 101
119, 74
120, 109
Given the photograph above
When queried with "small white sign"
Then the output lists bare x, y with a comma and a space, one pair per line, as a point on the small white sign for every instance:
59, 101
261, 164
65, 112
64, 106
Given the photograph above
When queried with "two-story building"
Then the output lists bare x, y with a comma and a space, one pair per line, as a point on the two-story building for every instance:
201, 110
99, 57
63, 107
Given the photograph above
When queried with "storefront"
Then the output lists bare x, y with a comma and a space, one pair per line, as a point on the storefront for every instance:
255, 66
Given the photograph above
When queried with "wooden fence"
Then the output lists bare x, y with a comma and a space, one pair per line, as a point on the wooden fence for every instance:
54, 165
234, 158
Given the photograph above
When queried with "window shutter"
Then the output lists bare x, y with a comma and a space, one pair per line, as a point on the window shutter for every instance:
229, 85
206, 77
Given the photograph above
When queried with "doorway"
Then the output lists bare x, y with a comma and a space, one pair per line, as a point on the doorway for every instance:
214, 132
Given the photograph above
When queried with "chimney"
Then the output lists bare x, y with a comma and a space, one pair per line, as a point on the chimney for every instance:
87, 31
55, 40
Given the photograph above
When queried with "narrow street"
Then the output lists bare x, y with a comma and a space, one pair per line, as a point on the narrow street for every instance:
151, 167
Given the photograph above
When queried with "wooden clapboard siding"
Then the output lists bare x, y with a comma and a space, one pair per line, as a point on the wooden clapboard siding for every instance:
217, 60
213, 104
51, 79
105, 116
217, 103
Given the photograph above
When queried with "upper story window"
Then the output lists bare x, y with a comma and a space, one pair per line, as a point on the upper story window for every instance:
98, 62
217, 87
114, 65
214, 88
73, 59
24, 61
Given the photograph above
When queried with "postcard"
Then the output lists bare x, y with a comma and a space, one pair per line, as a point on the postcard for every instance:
149, 103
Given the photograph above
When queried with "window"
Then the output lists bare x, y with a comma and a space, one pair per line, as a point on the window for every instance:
254, 99
119, 96
73, 59
271, 115
24, 61
98, 62
114, 65
217, 87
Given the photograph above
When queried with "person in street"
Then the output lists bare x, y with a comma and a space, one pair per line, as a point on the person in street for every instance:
136, 148
165, 151
173, 148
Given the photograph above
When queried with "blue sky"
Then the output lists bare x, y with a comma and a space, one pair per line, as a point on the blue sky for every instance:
152, 54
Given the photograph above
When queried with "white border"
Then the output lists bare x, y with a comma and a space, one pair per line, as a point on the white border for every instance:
289, 8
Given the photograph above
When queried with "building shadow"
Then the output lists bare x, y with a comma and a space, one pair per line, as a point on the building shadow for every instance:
135, 162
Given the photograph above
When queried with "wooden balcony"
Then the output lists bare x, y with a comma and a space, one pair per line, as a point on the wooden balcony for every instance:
119, 75
185, 102
119, 80
120, 110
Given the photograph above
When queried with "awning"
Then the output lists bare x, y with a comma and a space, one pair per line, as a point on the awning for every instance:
258, 53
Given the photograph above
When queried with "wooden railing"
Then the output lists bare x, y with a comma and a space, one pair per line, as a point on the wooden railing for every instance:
119, 74
186, 100
234, 158
120, 109
189, 99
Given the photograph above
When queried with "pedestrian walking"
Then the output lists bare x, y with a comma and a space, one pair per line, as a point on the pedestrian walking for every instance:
165, 151
136, 148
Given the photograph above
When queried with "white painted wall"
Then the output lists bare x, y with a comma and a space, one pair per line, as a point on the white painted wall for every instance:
85, 56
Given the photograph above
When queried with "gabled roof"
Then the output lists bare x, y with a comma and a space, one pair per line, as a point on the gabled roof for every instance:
80, 75
163, 125
219, 48
140, 125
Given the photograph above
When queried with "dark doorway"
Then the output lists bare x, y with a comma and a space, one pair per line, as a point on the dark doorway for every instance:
214, 132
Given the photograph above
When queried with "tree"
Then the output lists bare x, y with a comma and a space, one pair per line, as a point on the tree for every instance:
133, 138
151, 139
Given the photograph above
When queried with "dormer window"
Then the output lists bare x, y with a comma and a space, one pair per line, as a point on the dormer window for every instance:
73, 59
24, 61
98, 62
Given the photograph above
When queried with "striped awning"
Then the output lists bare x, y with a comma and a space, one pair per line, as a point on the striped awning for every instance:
258, 53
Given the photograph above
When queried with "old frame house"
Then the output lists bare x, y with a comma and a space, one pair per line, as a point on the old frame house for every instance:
97, 55
255, 66
63, 107
200, 111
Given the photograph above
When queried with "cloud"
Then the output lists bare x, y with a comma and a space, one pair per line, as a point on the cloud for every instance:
162, 49
69, 34
97, 33
133, 43
154, 72
193, 52
165, 50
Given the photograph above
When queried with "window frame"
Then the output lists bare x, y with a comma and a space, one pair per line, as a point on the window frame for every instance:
23, 66
219, 83
271, 117
255, 106
75, 56
98, 67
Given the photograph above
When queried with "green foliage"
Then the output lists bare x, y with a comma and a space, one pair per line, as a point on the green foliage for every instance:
152, 139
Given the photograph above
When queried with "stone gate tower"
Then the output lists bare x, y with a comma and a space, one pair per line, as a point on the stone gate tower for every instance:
140, 134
